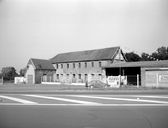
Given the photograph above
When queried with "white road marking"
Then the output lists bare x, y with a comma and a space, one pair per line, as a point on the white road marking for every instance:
146, 96
63, 99
94, 105
18, 100
122, 99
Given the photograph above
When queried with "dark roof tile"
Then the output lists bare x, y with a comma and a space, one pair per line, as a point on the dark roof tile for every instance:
42, 64
98, 54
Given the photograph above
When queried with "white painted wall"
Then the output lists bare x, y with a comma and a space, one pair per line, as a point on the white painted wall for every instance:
30, 71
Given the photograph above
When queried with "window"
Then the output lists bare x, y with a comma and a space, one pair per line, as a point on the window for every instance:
79, 76
85, 64
86, 77
57, 65
61, 65
57, 76
92, 64
73, 65
68, 76
92, 75
73, 75
67, 65
100, 64
79, 65
44, 78
100, 76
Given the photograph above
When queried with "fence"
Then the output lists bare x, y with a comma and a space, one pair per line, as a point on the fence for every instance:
1, 80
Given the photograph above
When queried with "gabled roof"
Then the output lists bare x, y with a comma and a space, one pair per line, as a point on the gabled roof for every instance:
163, 63
90, 55
41, 64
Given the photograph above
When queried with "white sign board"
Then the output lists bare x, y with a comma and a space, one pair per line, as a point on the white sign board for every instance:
19, 80
114, 81
163, 78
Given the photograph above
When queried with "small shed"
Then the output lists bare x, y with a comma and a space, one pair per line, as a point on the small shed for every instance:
38, 69
150, 73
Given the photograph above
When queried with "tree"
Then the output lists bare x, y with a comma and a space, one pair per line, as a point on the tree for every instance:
23, 71
146, 57
131, 57
161, 53
9, 73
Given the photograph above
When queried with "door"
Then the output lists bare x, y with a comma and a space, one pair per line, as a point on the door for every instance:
30, 79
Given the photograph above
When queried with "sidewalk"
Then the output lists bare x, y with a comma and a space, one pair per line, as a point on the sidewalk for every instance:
77, 89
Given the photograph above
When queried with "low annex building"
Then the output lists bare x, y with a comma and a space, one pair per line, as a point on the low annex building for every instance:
39, 70
145, 73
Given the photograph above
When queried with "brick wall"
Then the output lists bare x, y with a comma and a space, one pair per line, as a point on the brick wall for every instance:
80, 72
41, 73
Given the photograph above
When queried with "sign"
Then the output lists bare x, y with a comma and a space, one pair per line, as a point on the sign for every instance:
114, 81
163, 78
19, 80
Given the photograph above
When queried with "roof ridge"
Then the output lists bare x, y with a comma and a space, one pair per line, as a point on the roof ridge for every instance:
37, 59
88, 50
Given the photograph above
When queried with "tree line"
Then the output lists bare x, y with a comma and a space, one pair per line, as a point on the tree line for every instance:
160, 54
8, 73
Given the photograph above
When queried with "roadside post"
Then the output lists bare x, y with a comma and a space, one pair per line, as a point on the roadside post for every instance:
120, 80
137, 80
1, 80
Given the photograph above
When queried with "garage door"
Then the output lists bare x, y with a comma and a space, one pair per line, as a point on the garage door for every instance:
156, 78
151, 78
30, 79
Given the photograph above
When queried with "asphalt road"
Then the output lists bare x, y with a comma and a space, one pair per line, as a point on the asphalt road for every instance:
83, 111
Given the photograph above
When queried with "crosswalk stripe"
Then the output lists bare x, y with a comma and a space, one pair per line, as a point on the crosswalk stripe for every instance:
145, 96
122, 99
63, 99
18, 100
85, 105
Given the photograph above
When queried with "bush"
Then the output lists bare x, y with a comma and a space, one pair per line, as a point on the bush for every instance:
97, 84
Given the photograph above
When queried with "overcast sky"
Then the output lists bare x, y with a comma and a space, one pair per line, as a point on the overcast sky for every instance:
44, 28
